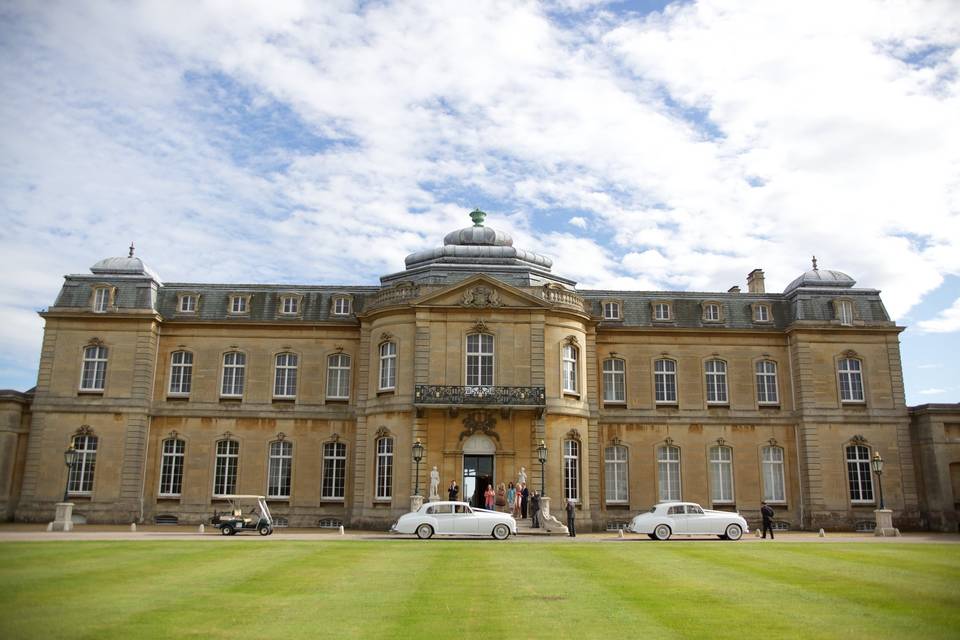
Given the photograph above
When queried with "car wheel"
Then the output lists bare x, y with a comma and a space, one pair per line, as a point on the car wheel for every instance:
662, 532
226, 530
424, 531
264, 530
733, 532
501, 532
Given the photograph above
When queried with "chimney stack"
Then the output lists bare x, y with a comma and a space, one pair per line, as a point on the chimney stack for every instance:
755, 281
733, 289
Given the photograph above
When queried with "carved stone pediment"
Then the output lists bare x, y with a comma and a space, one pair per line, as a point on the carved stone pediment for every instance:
573, 434
479, 422
481, 297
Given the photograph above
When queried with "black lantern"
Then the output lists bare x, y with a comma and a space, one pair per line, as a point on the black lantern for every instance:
878, 469
417, 457
542, 457
69, 458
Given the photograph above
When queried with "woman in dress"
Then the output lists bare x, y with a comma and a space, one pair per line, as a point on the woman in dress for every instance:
516, 501
488, 497
511, 498
501, 501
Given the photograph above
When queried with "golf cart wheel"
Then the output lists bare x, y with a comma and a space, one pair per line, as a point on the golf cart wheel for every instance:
733, 532
662, 532
264, 530
424, 532
501, 532
226, 530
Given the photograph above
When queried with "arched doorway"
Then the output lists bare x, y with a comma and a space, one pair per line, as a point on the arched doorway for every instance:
478, 467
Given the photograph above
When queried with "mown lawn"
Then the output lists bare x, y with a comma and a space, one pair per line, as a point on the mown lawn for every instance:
482, 589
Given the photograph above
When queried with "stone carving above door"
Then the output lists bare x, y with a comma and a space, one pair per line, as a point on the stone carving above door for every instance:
480, 422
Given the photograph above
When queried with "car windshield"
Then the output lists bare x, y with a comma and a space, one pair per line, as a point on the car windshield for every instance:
653, 509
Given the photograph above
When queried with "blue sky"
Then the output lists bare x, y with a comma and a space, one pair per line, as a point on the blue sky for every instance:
641, 145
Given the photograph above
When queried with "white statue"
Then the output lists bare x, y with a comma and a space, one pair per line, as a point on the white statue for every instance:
434, 483
522, 476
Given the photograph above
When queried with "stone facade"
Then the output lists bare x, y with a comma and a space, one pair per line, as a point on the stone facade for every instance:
481, 353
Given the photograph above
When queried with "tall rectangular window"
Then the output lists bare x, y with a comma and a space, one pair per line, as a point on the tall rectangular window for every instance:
716, 374
101, 299
767, 382
614, 381
338, 376
571, 470
615, 476
225, 470
384, 480
279, 469
668, 472
479, 360
569, 368
94, 373
85, 463
858, 474
665, 381
334, 470
774, 486
181, 372
285, 376
845, 312
721, 474
851, 380
171, 467
388, 365
761, 313
234, 365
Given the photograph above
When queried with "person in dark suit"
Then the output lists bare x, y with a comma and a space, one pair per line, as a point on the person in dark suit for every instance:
524, 496
535, 509
767, 512
571, 518
453, 491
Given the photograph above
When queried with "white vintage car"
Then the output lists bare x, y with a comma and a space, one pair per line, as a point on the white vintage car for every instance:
455, 519
667, 519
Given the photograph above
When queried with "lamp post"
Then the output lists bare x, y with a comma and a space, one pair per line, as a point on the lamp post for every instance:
417, 457
69, 458
878, 469
542, 457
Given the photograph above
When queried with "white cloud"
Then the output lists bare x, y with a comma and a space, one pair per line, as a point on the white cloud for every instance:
946, 321
578, 221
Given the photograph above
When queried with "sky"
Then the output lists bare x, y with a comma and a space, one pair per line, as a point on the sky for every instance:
641, 145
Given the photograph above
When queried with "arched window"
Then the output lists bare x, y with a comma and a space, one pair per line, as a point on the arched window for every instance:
279, 469
614, 381
767, 382
773, 477
181, 373
665, 381
334, 470
285, 376
94, 375
571, 470
85, 463
225, 469
668, 472
384, 479
850, 373
858, 473
479, 360
388, 366
721, 474
716, 378
171, 467
616, 474
570, 355
234, 366
338, 377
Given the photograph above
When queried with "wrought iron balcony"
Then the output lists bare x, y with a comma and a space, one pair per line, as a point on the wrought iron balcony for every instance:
452, 395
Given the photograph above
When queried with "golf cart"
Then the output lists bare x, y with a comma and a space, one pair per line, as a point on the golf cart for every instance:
255, 518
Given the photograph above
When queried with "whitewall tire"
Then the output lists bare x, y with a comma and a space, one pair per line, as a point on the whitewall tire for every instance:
424, 532
662, 532
501, 532
733, 532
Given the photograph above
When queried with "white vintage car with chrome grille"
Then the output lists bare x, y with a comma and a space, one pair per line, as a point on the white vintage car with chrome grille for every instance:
455, 519
667, 519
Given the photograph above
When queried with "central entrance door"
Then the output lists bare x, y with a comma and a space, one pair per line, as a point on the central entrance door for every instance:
477, 476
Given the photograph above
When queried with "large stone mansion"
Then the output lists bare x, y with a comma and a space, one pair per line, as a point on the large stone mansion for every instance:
175, 394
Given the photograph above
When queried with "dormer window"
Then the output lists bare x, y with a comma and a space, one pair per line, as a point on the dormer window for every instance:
239, 304
611, 311
188, 303
711, 312
342, 305
101, 299
290, 304
662, 312
761, 313
844, 312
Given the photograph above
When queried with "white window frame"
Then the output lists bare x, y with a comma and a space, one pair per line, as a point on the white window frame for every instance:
239, 305
280, 469
226, 467
711, 312
187, 303
285, 367
384, 469
571, 470
570, 371
342, 305
388, 366
614, 381
232, 383
612, 311
774, 478
844, 310
479, 364
101, 299
664, 381
333, 482
669, 477
181, 373
80, 482
338, 376
761, 312
93, 371
721, 475
859, 476
715, 379
662, 312
172, 454
765, 375
616, 474
850, 381
289, 305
